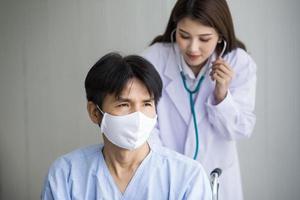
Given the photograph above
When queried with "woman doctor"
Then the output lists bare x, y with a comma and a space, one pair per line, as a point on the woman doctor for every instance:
209, 84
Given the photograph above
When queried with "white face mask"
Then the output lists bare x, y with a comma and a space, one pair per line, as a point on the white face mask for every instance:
127, 131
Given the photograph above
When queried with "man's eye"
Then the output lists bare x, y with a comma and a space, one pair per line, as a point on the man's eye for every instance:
123, 105
148, 104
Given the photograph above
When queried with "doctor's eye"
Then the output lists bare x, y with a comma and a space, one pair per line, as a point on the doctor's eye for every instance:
184, 36
204, 39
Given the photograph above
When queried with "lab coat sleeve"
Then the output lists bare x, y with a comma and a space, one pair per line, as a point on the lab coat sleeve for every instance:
56, 182
199, 187
234, 117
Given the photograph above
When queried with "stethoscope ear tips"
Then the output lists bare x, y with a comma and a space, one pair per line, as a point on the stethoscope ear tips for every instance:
224, 47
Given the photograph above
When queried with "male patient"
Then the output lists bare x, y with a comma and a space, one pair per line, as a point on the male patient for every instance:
122, 94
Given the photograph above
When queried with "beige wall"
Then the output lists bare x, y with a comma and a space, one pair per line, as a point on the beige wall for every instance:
47, 47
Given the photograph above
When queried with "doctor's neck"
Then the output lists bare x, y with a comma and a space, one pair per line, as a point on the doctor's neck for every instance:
197, 68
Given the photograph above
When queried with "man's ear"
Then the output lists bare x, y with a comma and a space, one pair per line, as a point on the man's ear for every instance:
94, 112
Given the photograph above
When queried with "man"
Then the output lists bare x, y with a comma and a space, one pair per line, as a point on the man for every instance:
122, 95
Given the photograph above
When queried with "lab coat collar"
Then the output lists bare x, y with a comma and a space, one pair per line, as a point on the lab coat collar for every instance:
175, 87
186, 69
189, 74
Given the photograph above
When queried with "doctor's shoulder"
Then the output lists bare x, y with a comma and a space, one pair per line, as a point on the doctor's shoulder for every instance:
157, 54
242, 64
240, 58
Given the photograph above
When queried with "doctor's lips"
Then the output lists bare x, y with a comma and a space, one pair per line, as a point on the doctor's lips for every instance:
192, 57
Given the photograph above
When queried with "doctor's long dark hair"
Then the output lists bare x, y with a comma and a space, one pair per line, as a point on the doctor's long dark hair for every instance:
212, 13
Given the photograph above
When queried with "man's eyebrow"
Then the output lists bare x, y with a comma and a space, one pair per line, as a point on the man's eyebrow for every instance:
122, 99
149, 99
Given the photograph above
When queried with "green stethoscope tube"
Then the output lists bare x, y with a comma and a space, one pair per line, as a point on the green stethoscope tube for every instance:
191, 92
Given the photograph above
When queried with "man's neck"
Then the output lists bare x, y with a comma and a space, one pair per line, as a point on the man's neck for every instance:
122, 163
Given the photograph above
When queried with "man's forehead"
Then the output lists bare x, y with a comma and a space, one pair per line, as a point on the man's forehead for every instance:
131, 98
134, 89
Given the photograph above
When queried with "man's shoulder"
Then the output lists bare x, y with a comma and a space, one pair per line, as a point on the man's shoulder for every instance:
177, 160
83, 153
78, 157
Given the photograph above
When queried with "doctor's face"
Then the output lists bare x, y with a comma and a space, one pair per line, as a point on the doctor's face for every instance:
196, 42
134, 97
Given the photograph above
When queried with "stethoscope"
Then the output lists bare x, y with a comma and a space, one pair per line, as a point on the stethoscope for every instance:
195, 90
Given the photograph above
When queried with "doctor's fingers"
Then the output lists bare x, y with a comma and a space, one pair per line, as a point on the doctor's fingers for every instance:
223, 68
221, 77
221, 61
219, 80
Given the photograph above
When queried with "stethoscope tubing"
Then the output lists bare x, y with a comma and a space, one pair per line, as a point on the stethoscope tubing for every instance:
191, 92
192, 104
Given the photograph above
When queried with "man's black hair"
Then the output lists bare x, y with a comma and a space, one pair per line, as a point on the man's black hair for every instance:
112, 72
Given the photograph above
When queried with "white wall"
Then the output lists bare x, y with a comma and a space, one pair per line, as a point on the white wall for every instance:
47, 47
270, 160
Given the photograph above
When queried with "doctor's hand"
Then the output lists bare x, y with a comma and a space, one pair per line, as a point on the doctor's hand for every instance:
222, 73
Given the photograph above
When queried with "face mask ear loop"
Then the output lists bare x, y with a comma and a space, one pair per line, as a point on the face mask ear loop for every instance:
100, 110
101, 113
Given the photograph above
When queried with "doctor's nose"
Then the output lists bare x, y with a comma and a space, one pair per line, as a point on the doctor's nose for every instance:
193, 46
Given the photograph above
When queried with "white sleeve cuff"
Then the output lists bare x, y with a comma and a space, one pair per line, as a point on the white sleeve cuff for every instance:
225, 109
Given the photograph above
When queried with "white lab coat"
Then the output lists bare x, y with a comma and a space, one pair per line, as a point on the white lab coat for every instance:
219, 125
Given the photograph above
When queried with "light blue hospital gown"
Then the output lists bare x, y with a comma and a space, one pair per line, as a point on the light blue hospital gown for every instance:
163, 174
